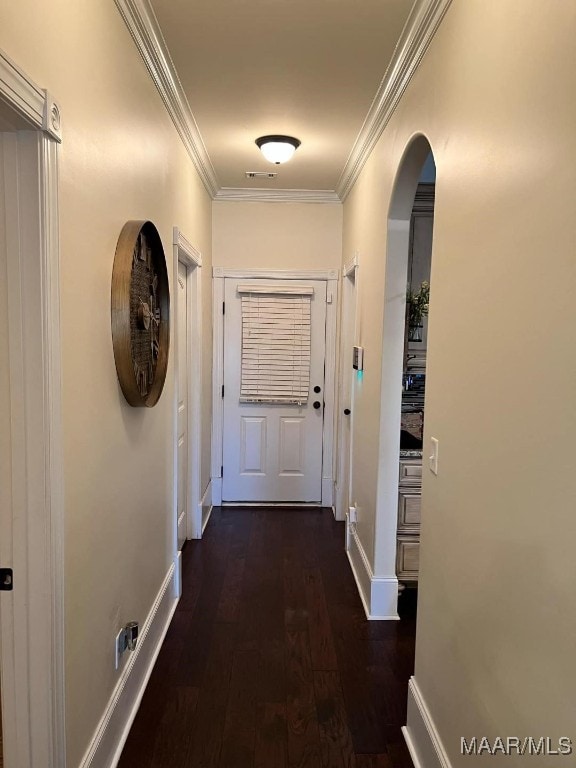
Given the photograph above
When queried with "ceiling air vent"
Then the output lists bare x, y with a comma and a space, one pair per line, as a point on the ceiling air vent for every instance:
260, 175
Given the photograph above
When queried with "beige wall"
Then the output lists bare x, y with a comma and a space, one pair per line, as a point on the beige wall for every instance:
121, 159
495, 625
277, 235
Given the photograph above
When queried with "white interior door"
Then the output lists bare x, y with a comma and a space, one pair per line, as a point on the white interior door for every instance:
183, 331
272, 448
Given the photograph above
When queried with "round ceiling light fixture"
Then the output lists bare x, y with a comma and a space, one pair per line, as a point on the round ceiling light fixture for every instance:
278, 149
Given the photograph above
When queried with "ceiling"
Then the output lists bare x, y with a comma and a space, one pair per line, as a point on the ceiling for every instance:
306, 68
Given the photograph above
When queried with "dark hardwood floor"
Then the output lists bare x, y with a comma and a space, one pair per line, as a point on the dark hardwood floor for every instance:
269, 661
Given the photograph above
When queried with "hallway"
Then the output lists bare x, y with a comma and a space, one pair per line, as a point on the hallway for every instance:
270, 661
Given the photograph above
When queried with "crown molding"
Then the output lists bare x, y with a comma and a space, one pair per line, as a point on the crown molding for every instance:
235, 194
141, 21
416, 36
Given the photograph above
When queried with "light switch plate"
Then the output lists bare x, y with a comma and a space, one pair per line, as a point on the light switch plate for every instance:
433, 458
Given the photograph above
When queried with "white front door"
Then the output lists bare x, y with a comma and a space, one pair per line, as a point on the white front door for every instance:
182, 401
273, 450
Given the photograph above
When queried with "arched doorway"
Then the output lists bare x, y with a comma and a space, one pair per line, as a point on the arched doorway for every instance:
396, 536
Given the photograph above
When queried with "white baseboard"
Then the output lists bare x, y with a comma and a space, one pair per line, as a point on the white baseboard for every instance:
177, 580
216, 483
422, 738
379, 595
206, 517
327, 491
108, 741
203, 511
205, 507
340, 509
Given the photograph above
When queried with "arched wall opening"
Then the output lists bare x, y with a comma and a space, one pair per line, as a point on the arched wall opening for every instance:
393, 360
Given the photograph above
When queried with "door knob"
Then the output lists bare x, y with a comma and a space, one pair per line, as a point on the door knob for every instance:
316, 404
346, 411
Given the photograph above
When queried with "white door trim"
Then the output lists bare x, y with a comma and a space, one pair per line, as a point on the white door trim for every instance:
348, 332
331, 277
33, 624
185, 253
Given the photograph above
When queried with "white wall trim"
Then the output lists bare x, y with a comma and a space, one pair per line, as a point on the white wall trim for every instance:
416, 36
242, 194
217, 379
23, 96
418, 32
185, 253
349, 269
276, 274
141, 21
110, 736
347, 337
328, 454
206, 504
379, 595
33, 615
330, 400
421, 735
189, 252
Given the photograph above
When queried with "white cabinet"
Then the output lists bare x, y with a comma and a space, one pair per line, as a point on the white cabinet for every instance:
408, 531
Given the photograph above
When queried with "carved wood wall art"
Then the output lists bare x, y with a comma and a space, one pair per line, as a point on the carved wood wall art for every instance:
140, 313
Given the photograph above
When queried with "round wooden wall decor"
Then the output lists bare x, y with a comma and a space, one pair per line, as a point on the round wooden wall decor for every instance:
140, 313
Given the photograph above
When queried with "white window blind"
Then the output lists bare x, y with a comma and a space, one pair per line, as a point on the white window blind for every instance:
275, 344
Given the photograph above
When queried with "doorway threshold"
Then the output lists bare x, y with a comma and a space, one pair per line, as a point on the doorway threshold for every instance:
268, 504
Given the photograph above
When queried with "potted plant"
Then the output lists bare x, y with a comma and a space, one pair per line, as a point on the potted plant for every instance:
417, 303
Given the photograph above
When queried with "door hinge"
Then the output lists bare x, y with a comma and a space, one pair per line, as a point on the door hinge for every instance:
222, 471
6, 579
223, 307
222, 390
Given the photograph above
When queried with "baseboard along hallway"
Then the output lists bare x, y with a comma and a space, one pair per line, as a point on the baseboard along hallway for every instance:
270, 661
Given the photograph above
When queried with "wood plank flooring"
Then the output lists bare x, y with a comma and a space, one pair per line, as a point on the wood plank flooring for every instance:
269, 661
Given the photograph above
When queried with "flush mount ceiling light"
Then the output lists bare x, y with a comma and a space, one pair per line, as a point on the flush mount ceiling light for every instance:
278, 149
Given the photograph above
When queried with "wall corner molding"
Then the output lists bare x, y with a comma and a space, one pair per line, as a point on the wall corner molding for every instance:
379, 595
142, 24
420, 732
420, 28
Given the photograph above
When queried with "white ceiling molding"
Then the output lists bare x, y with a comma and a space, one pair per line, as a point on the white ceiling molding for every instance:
416, 36
143, 26
236, 194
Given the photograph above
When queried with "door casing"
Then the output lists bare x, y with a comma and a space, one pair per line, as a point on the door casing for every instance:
185, 253
331, 277
348, 333
32, 625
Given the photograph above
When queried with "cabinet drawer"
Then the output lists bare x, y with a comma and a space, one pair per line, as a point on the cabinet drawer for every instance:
409, 502
407, 557
411, 472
